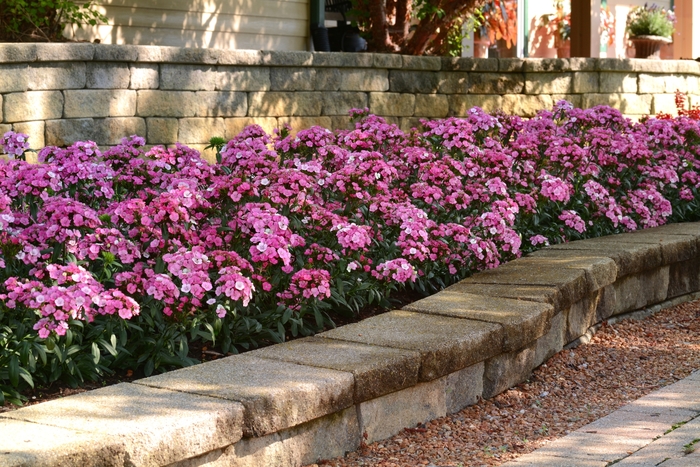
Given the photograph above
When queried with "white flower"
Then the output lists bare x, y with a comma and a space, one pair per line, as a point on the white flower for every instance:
264, 182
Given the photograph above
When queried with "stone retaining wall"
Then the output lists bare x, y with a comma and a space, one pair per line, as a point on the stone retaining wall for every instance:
298, 402
61, 93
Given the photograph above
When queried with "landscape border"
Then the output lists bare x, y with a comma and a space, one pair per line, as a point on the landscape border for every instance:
295, 403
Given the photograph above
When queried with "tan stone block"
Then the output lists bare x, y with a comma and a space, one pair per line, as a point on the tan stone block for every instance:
283, 104
616, 64
287, 58
276, 395
161, 130
230, 78
166, 103
693, 100
414, 62
460, 104
110, 131
585, 82
664, 103
546, 65
154, 427
324, 438
630, 104
431, 106
292, 79
14, 77
340, 103
188, 77
62, 75
650, 84
413, 81
144, 76
68, 131
548, 83
385, 416
655, 66
303, 123
677, 83
469, 64
409, 123
692, 84
453, 82
35, 131
511, 64
32, 105
526, 106
26, 443
12, 53
618, 82
5, 127
496, 83
64, 52
464, 387
117, 53
84, 103
221, 104
364, 80
387, 61
328, 79
341, 123
240, 57
581, 316
392, 104
233, 126
107, 75
200, 130
342, 60
508, 369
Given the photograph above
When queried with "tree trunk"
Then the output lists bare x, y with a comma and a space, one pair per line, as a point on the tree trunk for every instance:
380, 30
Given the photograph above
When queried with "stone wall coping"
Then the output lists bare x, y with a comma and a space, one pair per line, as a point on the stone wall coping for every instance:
314, 398
83, 51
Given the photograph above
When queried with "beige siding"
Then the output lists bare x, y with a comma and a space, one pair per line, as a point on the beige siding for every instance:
227, 24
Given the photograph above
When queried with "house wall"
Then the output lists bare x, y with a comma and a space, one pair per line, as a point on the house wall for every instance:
222, 24
62, 93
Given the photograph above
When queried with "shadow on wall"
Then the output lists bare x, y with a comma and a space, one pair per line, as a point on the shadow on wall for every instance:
228, 24
542, 40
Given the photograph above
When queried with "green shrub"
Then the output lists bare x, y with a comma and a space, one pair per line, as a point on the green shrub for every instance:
650, 21
43, 20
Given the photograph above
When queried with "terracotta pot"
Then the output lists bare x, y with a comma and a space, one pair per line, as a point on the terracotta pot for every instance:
649, 46
564, 51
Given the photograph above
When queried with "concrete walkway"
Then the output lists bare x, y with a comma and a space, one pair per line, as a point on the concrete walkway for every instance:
661, 429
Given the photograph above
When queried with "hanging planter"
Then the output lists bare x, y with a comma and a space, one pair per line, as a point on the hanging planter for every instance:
649, 46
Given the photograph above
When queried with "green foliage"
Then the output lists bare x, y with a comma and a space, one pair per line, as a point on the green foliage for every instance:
43, 20
650, 21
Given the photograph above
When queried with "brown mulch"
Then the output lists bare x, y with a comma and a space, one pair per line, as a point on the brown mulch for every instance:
623, 362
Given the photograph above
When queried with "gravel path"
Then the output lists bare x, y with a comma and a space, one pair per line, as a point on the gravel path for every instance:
623, 362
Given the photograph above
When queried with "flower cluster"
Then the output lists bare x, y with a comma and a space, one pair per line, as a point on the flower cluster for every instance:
284, 227
14, 144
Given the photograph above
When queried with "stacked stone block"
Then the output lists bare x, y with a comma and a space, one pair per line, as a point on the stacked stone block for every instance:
61, 93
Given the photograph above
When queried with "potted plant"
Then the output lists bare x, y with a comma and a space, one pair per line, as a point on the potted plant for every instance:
499, 22
648, 28
559, 24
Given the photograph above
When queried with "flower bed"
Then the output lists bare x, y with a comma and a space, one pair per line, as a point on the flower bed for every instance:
120, 259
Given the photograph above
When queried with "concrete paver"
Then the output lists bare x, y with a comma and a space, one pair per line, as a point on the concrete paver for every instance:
660, 429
